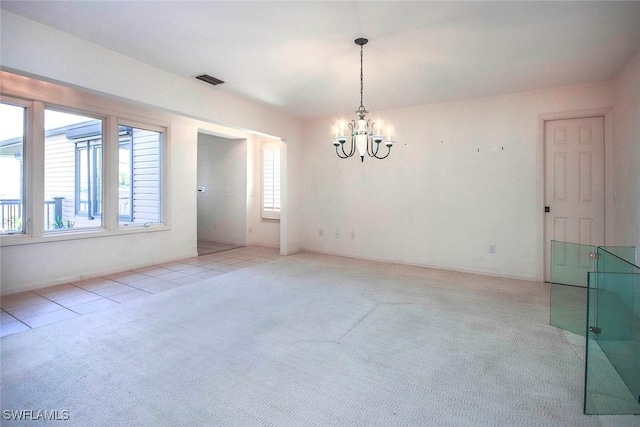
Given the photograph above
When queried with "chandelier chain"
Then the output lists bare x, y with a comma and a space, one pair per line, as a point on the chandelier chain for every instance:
361, 78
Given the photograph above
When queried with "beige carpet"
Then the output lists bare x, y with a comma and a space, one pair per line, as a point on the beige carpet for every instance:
309, 340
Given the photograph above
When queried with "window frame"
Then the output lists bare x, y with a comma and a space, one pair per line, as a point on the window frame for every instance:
27, 105
93, 160
33, 166
162, 156
90, 114
129, 144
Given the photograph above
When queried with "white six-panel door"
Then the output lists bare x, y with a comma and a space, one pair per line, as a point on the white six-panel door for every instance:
574, 182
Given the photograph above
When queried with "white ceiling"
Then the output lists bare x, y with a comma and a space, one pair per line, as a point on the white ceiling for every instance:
300, 56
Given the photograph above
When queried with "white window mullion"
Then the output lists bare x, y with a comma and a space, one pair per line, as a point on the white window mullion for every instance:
110, 152
35, 172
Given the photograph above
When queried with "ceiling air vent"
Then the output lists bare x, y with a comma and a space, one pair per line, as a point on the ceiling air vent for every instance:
207, 78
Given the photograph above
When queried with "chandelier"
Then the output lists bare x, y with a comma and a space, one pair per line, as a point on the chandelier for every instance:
364, 136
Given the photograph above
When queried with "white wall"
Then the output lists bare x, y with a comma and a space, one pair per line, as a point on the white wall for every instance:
462, 175
222, 170
293, 188
626, 155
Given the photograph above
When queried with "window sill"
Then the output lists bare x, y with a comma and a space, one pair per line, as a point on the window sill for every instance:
270, 219
60, 236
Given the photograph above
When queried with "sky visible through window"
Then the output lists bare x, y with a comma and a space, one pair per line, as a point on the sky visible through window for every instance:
55, 119
11, 127
11, 124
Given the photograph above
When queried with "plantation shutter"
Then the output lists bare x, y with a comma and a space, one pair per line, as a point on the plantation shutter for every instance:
271, 181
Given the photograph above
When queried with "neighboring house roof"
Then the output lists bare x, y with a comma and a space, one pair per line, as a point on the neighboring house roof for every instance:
74, 132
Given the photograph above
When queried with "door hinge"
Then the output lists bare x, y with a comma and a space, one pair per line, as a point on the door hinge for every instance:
595, 330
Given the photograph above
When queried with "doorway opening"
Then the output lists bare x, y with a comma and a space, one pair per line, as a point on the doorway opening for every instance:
230, 186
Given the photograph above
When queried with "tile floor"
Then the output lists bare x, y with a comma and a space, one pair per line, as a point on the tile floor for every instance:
26, 310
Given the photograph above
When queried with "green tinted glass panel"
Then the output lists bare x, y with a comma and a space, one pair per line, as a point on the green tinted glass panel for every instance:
612, 374
627, 253
568, 308
570, 264
609, 262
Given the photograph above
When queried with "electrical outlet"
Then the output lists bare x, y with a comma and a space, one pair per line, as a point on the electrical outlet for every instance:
320, 232
353, 235
492, 248
337, 235
250, 229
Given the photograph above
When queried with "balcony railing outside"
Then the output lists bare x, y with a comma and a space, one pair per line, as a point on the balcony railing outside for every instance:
11, 214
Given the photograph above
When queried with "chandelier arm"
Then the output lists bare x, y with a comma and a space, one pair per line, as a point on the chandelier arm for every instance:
338, 153
344, 154
374, 152
370, 151
352, 138
385, 156
352, 150
353, 147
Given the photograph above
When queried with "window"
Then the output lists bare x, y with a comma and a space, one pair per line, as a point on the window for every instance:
12, 142
88, 178
271, 181
139, 176
72, 171
67, 173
